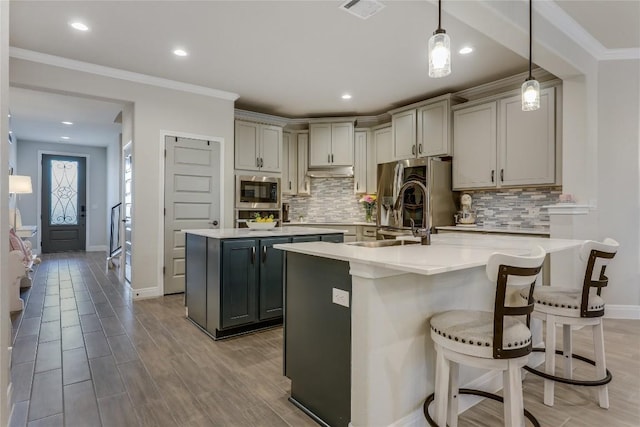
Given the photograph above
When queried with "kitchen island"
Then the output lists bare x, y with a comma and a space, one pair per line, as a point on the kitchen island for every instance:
388, 358
234, 277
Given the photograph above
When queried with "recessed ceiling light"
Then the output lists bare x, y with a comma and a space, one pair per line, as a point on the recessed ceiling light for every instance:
346, 96
465, 50
180, 52
64, 137
67, 123
79, 26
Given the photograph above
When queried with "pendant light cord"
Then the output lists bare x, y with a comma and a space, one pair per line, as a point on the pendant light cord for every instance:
439, 14
530, 35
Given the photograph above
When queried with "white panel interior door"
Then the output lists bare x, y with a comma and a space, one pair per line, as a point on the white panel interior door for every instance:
191, 200
126, 210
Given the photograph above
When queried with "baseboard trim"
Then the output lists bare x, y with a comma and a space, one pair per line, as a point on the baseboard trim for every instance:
144, 293
96, 248
619, 311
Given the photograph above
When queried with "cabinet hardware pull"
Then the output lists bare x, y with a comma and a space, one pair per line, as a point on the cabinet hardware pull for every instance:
502, 175
328, 158
253, 255
261, 162
419, 148
258, 161
493, 175
413, 149
289, 185
357, 185
264, 254
332, 158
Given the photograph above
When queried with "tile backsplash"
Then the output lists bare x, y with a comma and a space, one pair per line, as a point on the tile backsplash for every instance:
516, 207
331, 200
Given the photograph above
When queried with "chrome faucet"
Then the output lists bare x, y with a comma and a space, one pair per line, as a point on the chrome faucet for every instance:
425, 232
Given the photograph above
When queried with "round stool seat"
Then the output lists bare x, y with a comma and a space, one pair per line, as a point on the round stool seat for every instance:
562, 301
471, 332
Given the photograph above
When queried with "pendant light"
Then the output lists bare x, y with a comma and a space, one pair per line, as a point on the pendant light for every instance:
439, 50
530, 87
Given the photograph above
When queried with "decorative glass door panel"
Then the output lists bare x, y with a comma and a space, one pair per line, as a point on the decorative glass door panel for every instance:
63, 203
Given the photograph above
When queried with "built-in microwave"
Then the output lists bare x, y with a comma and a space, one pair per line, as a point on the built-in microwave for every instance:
257, 192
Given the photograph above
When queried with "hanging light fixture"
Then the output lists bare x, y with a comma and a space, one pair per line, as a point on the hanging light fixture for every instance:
439, 50
530, 87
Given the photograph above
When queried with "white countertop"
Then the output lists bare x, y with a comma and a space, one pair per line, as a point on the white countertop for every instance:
505, 230
239, 233
312, 223
447, 252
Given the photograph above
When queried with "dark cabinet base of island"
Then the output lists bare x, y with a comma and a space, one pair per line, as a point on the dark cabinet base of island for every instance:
318, 338
235, 285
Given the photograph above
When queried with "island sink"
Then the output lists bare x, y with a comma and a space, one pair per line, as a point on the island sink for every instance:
384, 243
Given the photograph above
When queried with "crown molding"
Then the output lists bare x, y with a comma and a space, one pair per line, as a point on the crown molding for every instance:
263, 118
72, 64
567, 25
502, 85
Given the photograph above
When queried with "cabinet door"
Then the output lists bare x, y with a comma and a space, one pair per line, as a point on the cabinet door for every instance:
360, 163
196, 279
270, 148
271, 278
342, 144
333, 238
289, 164
527, 142
239, 286
320, 144
474, 147
404, 135
247, 153
302, 239
304, 182
372, 167
384, 145
433, 130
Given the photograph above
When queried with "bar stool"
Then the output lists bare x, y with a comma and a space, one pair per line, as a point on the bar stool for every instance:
487, 340
575, 307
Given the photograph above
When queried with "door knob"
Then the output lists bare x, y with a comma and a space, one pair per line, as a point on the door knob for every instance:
214, 223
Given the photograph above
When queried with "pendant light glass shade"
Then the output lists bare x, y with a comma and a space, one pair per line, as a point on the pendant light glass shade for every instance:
439, 54
531, 87
530, 95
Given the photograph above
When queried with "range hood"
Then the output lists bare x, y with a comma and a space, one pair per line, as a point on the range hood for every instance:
331, 172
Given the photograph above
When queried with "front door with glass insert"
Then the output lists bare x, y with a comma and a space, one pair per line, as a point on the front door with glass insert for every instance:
63, 203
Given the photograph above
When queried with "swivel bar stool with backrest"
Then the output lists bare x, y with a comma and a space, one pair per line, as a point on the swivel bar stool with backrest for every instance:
575, 307
487, 340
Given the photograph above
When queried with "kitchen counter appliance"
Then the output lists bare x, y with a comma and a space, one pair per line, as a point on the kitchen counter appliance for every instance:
258, 192
433, 172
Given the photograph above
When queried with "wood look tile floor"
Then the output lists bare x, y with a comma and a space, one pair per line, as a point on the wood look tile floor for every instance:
85, 355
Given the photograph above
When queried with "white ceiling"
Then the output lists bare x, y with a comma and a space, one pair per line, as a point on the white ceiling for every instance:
290, 58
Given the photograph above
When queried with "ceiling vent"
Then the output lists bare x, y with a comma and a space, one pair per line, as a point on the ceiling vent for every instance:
363, 9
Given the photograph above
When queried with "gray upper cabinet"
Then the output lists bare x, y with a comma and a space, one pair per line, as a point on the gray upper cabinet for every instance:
403, 127
289, 163
258, 147
496, 144
360, 163
331, 144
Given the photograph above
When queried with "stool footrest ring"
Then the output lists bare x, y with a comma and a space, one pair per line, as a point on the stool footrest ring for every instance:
481, 393
591, 383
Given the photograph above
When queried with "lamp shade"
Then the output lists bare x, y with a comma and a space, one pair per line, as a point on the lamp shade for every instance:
20, 184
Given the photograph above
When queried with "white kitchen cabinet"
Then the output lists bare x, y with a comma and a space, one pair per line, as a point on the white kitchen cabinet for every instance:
403, 126
497, 144
304, 182
424, 130
258, 147
383, 144
360, 163
289, 163
331, 144
433, 134
474, 147
372, 166
526, 141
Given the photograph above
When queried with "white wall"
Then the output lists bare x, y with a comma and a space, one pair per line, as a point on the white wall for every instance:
113, 181
5, 323
618, 157
28, 160
154, 109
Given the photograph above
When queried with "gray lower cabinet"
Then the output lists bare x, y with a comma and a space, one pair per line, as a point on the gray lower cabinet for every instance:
236, 285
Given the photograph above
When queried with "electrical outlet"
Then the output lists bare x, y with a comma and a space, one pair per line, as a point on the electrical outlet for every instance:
340, 297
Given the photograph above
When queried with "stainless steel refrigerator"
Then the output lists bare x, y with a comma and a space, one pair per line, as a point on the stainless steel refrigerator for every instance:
435, 174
